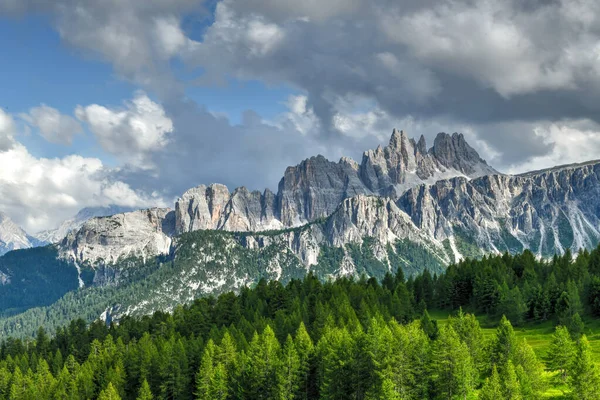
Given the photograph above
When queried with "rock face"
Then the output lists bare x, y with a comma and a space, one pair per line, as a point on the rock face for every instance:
105, 240
454, 152
315, 188
213, 207
546, 212
73, 224
13, 237
334, 204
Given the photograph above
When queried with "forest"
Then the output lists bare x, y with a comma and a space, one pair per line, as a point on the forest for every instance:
352, 338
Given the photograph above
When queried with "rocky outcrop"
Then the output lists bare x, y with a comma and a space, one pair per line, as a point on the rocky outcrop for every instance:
546, 211
73, 224
105, 240
315, 188
213, 207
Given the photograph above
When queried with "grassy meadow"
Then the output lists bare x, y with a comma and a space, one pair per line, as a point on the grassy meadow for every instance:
538, 335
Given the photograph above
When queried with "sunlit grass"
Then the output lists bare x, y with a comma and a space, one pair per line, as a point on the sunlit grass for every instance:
538, 336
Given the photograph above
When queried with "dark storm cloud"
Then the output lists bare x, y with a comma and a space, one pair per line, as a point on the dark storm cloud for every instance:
486, 63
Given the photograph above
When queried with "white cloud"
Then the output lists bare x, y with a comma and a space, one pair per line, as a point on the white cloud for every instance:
484, 40
131, 133
137, 37
169, 37
571, 142
39, 193
53, 126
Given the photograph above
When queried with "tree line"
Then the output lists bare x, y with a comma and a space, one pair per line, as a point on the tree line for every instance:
343, 339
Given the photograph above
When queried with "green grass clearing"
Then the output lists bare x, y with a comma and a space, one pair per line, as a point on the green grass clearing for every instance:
538, 336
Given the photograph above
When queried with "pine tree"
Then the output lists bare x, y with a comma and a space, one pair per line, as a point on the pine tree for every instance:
263, 360
289, 373
110, 393
455, 372
585, 375
5, 378
511, 386
336, 349
205, 375
18, 388
44, 381
42, 342
57, 362
561, 353
388, 391
305, 349
492, 390
145, 393
504, 344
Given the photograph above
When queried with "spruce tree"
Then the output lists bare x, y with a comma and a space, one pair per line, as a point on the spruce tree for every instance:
305, 349
524, 357
469, 331
454, 371
492, 389
429, 325
289, 373
510, 383
145, 393
219, 383
263, 362
585, 374
110, 393
576, 326
504, 344
561, 353
204, 376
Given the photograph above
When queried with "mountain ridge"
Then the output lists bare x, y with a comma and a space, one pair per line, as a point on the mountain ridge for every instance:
496, 212
326, 220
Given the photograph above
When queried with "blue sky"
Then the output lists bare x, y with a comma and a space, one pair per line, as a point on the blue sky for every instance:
43, 70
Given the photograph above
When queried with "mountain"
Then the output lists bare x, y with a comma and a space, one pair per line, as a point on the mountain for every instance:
394, 194
13, 237
404, 206
73, 224
316, 187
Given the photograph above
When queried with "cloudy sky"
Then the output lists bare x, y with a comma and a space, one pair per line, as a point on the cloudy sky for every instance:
132, 102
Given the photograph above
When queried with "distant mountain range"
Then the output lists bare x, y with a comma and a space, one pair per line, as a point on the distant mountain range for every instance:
404, 205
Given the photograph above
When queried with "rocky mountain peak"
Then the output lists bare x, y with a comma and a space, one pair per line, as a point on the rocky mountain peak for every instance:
397, 138
12, 236
316, 186
421, 146
453, 151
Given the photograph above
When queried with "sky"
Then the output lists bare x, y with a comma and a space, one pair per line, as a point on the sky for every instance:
132, 102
